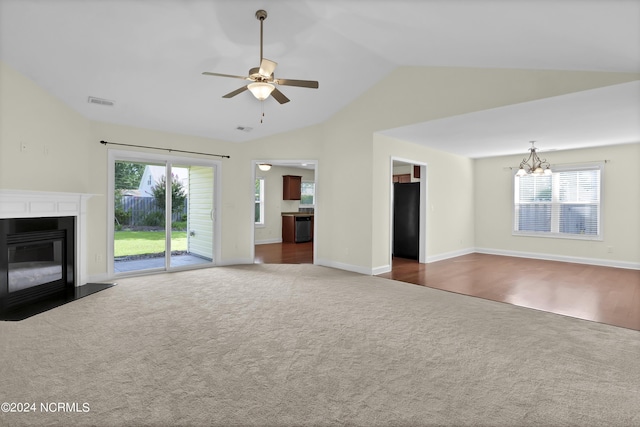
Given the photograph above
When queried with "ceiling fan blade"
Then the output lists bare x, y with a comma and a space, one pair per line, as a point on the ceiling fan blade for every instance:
301, 83
206, 73
235, 92
279, 96
266, 67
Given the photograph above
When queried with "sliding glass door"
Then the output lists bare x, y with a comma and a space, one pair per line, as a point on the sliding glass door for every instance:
191, 238
163, 213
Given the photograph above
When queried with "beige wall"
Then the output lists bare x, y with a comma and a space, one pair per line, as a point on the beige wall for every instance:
620, 208
362, 244
63, 154
449, 181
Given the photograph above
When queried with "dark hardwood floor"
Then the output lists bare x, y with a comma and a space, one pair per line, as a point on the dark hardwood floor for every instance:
601, 294
284, 253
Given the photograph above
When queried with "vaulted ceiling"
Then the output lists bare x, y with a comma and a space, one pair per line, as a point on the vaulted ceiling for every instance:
148, 57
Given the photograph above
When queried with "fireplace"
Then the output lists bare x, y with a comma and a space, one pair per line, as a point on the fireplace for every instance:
37, 257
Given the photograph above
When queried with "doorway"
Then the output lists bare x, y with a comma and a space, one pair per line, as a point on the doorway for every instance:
408, 210
163, 210
286, 204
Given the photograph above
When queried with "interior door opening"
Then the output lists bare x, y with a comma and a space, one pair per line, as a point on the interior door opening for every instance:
408, 210
286, 203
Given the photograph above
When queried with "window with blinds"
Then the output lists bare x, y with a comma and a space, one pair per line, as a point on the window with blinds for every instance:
563, 204
259, 201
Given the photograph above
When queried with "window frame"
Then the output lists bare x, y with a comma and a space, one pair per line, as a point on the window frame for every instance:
554, 202
302, 205
260, 223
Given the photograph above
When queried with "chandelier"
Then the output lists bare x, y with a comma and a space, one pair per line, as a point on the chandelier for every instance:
533, 165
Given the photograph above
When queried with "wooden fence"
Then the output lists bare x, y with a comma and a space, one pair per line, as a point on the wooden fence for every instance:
140, 207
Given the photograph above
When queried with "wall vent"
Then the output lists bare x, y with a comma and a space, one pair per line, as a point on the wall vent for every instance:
244, 128
100, 101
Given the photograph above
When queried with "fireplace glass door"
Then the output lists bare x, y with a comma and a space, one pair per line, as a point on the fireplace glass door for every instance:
33, 264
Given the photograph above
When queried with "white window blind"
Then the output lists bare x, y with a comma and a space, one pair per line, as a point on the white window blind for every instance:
563, 204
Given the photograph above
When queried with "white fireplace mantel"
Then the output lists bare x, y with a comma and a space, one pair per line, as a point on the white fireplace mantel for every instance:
35, 204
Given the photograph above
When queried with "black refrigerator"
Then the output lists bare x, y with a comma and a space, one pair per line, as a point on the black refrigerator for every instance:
406, 220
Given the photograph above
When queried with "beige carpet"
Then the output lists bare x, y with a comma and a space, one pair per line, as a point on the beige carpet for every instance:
284, 345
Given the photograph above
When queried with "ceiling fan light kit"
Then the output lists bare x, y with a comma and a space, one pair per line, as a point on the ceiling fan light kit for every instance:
263, 83
261, 90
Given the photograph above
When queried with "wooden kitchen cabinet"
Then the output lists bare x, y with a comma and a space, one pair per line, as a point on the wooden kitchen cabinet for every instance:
291, 187
402, 178
290, 230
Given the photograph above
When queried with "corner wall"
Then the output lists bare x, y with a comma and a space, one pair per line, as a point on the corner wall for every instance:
450, 210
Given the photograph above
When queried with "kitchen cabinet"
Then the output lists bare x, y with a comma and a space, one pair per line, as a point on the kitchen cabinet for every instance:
402, 178
297, 228
291, 187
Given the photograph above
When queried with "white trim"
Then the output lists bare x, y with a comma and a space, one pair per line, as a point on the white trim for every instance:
555, 233
343, 266
236, 261
263, 181
168, 159
424, 193
34, 204
380, 270
301, 205
254, 164
269, 241
561, 258
453, 254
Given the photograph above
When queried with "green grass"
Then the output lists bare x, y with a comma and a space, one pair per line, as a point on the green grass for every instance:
146, 242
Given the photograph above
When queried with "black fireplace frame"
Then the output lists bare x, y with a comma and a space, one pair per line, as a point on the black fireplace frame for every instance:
12, 230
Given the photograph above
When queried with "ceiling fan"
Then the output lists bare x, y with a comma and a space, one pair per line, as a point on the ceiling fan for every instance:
262, 77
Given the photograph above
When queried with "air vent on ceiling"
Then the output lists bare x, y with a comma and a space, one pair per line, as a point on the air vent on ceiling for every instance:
100, 101
244, 128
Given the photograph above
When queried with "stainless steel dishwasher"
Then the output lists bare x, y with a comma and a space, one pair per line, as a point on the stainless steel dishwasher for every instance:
303, 229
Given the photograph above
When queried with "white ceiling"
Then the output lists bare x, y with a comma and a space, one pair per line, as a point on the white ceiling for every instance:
603, 116
148, 57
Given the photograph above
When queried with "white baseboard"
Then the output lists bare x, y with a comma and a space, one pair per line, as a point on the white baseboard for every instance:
268, 241
562, 258
380, 270
343, 266
447, 255
235, 261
